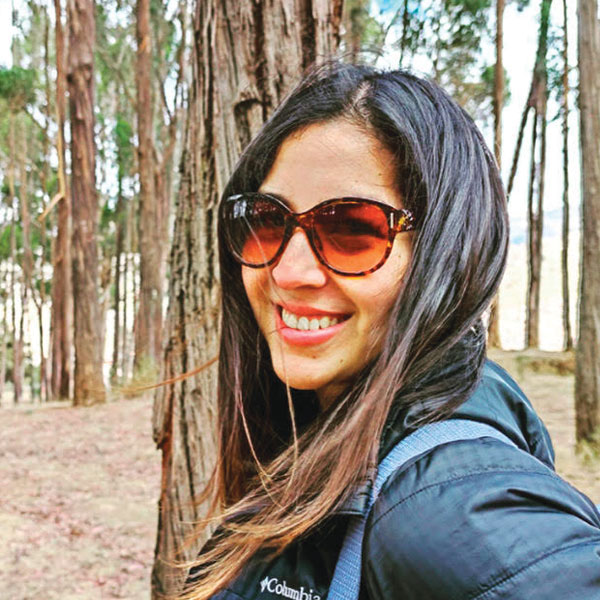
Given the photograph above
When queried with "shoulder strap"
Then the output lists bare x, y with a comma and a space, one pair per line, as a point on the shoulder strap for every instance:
345, 584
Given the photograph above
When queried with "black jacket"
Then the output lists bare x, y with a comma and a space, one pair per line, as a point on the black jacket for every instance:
468, 520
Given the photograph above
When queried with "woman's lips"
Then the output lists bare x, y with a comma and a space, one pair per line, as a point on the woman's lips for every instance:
308, 337
302, 310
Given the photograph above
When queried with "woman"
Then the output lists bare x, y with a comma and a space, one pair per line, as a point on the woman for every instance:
362, 236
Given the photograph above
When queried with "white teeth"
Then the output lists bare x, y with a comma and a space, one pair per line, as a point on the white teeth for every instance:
306, 324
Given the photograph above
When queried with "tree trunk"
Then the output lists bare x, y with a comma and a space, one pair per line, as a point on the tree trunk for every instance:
494, 323
166, 139
45, 393
62, 306
405, 23
27, 256
126, 293
537, 99
4, 336
355, 15
148, 333
237, 81
89, 385
533, 317
533, 269
119, 217
518, 145
566, 312
17, 341
498, 82
587, 380
539, 70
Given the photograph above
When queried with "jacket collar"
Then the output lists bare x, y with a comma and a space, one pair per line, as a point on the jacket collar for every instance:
497, 400
358, 502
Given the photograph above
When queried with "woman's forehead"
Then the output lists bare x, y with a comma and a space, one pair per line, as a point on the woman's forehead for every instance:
332, 160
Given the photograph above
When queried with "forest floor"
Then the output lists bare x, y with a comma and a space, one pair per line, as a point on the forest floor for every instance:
79, 489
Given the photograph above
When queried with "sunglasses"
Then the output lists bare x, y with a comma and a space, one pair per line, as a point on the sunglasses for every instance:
350, 236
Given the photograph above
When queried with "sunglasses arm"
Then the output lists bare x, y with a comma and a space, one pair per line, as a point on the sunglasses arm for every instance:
403, 220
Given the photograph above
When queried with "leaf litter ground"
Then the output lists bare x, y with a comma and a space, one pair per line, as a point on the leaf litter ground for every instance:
79, 490
78, 503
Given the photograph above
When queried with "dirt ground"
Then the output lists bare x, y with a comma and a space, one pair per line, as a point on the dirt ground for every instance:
79, 489
78, 503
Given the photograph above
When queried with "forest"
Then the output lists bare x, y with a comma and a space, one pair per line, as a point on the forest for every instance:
120, 122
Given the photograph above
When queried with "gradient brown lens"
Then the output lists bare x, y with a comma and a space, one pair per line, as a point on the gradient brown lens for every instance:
352, 236
255, 230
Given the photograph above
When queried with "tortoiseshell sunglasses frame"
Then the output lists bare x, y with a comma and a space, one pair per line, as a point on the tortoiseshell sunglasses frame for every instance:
398, 220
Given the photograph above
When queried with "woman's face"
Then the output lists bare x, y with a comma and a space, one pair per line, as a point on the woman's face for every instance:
323, 161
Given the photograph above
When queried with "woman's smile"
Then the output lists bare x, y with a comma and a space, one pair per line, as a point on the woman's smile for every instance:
305, 326
323, 328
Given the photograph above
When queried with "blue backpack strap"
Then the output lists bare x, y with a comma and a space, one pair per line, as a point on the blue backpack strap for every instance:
345, 584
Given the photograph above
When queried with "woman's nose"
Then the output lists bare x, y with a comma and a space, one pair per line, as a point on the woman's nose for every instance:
298, 266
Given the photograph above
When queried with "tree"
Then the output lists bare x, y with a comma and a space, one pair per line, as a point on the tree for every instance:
448, 36
237, 81
568, 337
148, 331
89, 386
17, 92
536, 100
62, 303
498, 103
587, 375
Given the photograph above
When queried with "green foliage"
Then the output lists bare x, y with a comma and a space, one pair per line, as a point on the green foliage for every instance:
123, 137
47, 286
52, 184
362, 30
17, 87
5, 191
107, 216
5, 240
444, 40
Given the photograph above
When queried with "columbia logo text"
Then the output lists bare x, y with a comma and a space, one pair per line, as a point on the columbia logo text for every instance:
272, 585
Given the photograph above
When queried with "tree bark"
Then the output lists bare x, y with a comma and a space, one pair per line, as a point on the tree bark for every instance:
245, 58
45, 393
126, 287
533, 269
17, 337
114, 369
537, 99
566, 312
62, 305
494, 323
89, 385
587, 380
27, 255
148, 333
4, 336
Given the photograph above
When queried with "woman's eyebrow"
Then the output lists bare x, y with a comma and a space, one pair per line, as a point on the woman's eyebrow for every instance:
277, 196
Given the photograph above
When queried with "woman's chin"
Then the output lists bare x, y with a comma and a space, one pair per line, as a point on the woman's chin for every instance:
326, 387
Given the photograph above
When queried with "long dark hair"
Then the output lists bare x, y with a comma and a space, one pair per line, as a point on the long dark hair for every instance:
434, 348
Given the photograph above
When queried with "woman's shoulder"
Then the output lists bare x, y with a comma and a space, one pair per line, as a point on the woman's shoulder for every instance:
481, 519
